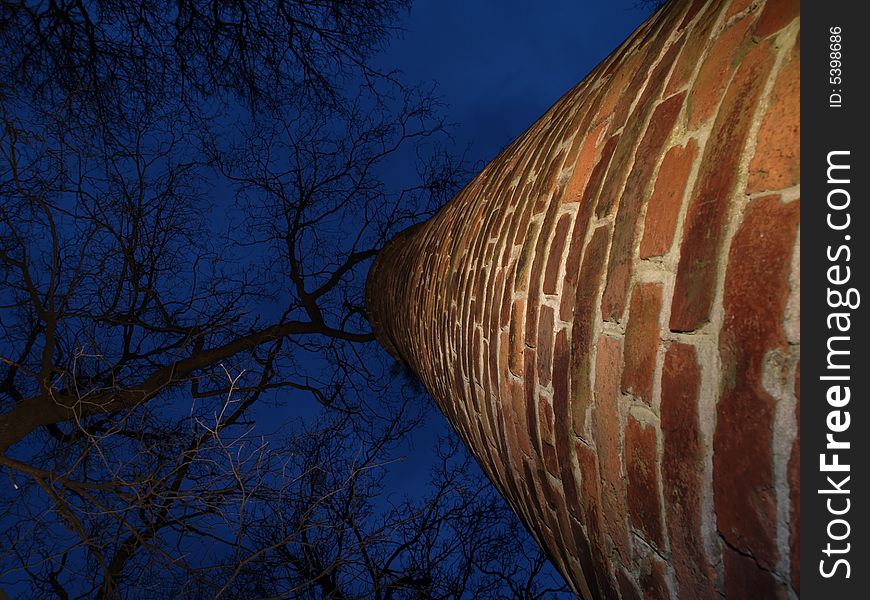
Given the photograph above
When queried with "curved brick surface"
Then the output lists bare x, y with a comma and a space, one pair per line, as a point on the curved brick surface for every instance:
605, 313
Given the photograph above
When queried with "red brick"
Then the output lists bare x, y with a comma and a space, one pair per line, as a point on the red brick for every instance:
540, 259
756, 291
716, 70
615, 90
562, 419
505, 289
551, 461
739, 6
545, 418
712, 197
694, 46
666, 200
546, 184
683, 472
545, 344
585, 555
521, 427
515, 356
526, 258
523, 214
531, 408
794, 493
578, 235
555, 255
601, 173
608, 440
474, 357
653, 579
533, 500
583, 330
777, 160
642, 340
626, 151
584, 166
743, 579
590, 502
648, 74
691, 12
627, 588
590, 491
633, 197
641, 465
580, 131
504, 351
776, 15
572, 270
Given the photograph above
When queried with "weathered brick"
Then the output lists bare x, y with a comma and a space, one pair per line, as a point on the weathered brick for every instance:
518, 406
585, 554
531, 398
607, 434
526, 258
627, 588
666, 200
692, 11
581, 131
534, 296
545, 344
716, 71
642, 340
622, 250
584, 166
470, 300
653, 579
551, 461
503, 286
712, 197
597, 177
583, 330
590, 501
615, 90
578, 235
776, 15
777, 160
545, 419
683, 471
555, 255
756, 291
562, 418
743, 578
641, 465
646, 73
627, 152
572, 270
693, 49
515, 355
737, 6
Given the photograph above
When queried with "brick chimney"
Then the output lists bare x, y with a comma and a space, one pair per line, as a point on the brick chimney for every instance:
608, 314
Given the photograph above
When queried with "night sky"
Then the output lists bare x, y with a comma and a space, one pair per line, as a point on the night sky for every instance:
500, 64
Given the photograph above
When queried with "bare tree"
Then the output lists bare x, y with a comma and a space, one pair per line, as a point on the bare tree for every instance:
190, 194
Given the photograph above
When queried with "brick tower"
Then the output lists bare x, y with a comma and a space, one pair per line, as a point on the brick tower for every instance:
608, 314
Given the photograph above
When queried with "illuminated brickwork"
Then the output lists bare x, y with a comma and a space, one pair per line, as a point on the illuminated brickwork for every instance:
609, 313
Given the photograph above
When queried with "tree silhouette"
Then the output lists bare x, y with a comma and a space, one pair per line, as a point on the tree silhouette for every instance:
190, 402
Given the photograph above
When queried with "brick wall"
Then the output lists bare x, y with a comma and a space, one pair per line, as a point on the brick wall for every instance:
609, 313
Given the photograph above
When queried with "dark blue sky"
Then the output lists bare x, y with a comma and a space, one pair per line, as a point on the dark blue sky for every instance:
499, 64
